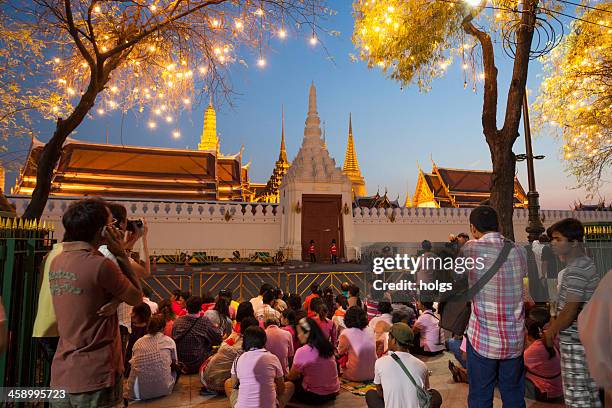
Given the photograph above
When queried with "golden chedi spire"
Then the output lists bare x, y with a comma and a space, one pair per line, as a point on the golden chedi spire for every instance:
282, 157
209, 140
271, 192
351, 165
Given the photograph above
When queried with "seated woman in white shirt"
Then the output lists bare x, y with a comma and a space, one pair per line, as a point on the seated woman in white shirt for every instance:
429, 337
154, 372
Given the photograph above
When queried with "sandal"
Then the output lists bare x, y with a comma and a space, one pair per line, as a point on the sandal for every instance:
453, 371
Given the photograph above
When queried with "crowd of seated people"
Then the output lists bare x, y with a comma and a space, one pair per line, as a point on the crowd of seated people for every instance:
304, 359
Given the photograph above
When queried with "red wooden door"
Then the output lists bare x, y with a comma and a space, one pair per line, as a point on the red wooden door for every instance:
322, 221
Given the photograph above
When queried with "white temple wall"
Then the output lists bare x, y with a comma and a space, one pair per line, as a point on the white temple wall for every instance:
180, 226
435, 224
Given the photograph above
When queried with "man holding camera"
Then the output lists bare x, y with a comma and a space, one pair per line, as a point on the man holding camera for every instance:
88, 361
132, 231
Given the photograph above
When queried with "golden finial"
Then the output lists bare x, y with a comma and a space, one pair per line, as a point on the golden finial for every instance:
44, 225
14, 224
20, 224
35, 224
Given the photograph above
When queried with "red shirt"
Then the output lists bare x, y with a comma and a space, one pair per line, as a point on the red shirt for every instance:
177, 309
333, 249
307, 304
311, 250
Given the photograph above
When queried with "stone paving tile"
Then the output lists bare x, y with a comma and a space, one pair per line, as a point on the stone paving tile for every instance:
187, 393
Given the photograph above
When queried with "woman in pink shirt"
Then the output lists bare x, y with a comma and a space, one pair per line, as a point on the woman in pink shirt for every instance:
288, 323
327, 325
358, 343
314, 367
542, 365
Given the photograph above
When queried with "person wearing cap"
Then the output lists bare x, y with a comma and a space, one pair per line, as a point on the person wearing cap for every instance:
393, 388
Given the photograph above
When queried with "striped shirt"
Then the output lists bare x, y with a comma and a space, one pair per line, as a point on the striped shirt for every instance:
497, 324
579, 280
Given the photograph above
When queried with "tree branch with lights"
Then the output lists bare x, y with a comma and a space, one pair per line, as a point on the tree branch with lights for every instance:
415, 41
575, 100
153, 57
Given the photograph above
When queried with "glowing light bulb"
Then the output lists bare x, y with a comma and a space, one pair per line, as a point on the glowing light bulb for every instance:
56, 60
114, 89
97, 9
157, 111
186, 101
153, 8
112, 104
202, 70
465, 66
176, 134
238, 24
313, 40
215, 23
70, 91
55, 109
151, 48
261, 62
473, 3
259, 12
100, 111
169, 119
152, 125
481, 75
222, 59
282, 33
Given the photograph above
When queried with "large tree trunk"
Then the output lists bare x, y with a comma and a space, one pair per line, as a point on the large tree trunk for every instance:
53, 149
501, 141
502, 187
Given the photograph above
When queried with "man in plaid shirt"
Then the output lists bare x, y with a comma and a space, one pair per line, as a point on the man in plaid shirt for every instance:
496, 328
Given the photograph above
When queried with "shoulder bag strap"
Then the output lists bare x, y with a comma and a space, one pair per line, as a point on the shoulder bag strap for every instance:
186, 332
503, 255
401, 364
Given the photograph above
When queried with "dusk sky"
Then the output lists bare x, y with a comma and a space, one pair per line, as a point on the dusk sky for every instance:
393, 129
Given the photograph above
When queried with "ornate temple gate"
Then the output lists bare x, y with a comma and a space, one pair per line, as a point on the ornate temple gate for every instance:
322, 221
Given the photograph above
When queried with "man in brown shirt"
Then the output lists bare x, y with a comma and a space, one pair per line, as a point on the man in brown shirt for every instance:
88, 361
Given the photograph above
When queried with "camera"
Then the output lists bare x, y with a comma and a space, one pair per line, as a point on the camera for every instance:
134, 225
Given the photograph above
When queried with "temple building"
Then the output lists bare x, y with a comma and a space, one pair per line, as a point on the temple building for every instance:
116, 171
270, 191
458, 188
351, 165
376, 201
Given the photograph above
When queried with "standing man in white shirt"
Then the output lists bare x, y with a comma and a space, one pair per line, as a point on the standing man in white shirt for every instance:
393, 388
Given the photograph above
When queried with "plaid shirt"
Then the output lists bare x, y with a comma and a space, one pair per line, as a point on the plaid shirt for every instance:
195, 337
497, 324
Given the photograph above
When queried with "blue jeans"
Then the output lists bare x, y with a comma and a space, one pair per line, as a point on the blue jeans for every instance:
454, 346
484, 372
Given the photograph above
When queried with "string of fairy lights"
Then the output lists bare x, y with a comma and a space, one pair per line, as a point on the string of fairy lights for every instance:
381, 20
157, 82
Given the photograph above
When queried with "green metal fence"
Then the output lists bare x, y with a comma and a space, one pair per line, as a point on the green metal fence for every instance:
23, 244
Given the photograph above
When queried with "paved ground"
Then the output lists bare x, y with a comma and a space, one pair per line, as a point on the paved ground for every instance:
187, 393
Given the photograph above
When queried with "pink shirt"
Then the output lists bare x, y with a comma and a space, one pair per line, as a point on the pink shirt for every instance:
256, 371
361, 348
280, 343
328, 328
432, 338
538, 366
294, 339
319, 375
